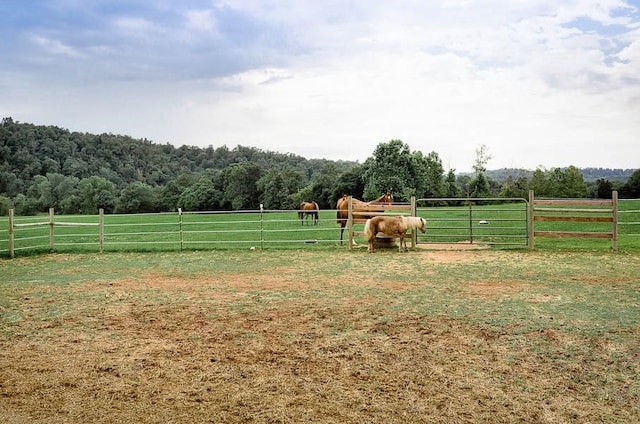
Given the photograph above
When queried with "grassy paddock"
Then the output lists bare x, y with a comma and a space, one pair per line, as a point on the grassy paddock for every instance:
321, 336
500, 225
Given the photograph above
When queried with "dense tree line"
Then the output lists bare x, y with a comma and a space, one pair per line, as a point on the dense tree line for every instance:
79, 173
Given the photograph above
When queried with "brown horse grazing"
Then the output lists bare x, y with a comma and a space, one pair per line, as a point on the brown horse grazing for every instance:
309, 208
396, 226
342, 214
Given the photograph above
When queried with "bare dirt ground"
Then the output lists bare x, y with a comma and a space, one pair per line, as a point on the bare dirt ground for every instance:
271, 348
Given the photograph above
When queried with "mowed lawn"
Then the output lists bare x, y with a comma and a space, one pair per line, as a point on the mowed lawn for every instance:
324, 336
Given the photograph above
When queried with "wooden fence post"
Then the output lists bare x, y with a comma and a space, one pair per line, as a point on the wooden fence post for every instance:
51, 231
414, 232
11, 235
101, 226
350, 222
614, 200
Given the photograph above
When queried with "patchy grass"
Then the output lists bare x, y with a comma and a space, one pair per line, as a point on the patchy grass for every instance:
333, 337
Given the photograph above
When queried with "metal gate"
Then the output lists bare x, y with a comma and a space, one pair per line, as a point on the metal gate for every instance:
490, 221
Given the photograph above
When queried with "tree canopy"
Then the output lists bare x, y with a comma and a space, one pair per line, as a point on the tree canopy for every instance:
47, 166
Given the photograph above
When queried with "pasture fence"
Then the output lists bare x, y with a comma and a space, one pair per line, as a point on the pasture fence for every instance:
579, 213
471, 220
163, 231
513, 222
629, 218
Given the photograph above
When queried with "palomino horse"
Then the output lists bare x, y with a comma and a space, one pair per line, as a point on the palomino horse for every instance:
342, 207
395, 226
306, 209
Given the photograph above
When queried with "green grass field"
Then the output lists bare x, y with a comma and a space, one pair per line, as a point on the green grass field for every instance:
499, 225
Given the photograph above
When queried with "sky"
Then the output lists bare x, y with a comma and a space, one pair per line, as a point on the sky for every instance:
539, 83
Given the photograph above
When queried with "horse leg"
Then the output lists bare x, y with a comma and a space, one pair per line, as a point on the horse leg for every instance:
403, 243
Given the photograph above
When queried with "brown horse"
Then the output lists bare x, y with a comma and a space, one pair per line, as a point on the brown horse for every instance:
342, 207
306, 209
395, 226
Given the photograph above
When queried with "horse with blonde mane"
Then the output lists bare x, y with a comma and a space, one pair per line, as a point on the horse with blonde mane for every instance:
306, 209
342, 207
395, 226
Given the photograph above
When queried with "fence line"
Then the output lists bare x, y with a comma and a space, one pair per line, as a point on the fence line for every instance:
492, 221
176, 230
574, 210
622, 224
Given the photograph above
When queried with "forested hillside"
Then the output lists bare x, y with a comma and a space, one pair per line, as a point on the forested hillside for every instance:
115, 163
28, 150
47, 166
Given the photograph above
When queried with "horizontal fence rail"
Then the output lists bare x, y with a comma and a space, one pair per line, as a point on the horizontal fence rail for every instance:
168, 231
493, 221
598, 218
629, 218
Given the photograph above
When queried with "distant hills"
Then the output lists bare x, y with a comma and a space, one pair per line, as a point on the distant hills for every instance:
590, 174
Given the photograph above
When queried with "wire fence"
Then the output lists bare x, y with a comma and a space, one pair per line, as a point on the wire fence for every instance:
496, 221
629, 218
493, 221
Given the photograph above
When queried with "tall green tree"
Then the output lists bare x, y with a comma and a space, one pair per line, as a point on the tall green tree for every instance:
137, 197
428, 178
451, 187
240, 185
513, 188
322, 189
631, 189
604, 189
393, 167
65, 193
350, 182
172, 191
389, 169
205, 194
97, 193
567, 182
278, 185
539, 183
480, 186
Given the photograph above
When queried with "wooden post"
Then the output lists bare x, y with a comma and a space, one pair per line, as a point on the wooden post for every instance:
530, 224
261, 226
101, 226
614, 200
51, 232
414, 232
181, 232
470, 221
350, 222
11, 235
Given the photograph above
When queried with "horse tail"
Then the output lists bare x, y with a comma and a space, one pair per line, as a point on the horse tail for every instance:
368, 229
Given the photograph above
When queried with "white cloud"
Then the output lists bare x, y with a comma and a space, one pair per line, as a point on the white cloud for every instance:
55, 47
201, 20
132, 25
537, 82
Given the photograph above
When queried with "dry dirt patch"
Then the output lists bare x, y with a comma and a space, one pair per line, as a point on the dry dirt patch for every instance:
272, 347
